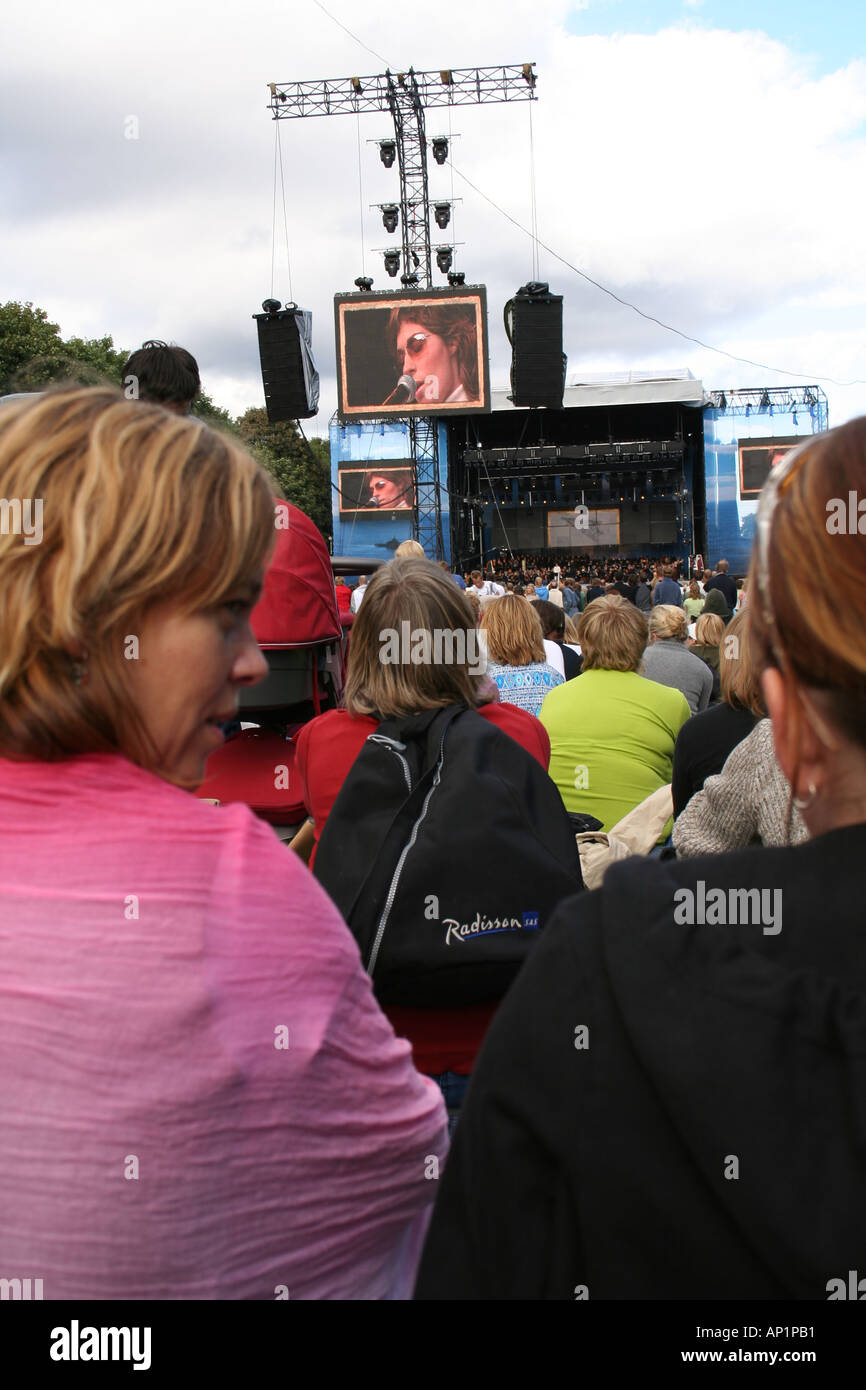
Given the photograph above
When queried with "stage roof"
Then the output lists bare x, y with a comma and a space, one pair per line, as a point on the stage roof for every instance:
623, 388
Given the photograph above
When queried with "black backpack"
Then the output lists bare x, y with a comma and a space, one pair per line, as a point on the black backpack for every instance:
446, 850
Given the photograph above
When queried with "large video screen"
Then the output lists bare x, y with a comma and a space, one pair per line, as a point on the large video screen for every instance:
416, 352
371, 489
757, 457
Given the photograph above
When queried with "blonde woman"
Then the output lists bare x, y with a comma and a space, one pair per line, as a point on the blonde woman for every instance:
667, 661
515, 653
709, 631
693, 602
211, 1063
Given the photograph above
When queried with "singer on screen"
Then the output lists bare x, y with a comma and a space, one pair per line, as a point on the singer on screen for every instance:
436, 345
390, 490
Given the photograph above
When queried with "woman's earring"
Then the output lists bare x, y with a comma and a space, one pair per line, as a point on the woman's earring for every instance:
803, 803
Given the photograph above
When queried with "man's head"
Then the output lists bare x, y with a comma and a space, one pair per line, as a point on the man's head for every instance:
167, 375
723, 567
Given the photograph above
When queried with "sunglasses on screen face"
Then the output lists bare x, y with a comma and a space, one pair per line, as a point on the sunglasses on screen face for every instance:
415, 344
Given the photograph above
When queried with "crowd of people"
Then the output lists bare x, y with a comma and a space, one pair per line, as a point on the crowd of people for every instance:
457, 1071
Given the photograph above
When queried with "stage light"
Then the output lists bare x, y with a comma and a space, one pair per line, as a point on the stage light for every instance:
723, 401
409, 280
443, 258
457, 277
765, 401
528, 74
387, 152
356, 83
442, 213
271, 306
440, 149
748, 411
392, 262
364, 283
445, 77
796, 421
390, 216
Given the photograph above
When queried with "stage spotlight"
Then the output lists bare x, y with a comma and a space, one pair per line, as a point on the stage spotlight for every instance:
440, 149
410, 280
765, 401
356, 84
387, 152
390, 216
457, 277
364, 283
445, 77
723, 401
748, 411
271, 306
443, 258
392, 262
442, 213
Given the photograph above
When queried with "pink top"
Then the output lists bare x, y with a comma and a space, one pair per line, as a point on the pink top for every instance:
158, 1138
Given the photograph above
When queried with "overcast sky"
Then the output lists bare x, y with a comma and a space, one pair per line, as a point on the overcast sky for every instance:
706, 161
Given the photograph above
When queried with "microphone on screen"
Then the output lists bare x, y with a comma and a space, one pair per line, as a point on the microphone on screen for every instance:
403, 391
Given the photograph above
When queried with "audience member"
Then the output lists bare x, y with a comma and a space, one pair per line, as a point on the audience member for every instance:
612, 731
667, 661
204, 1025
705, 741
516, 656
714, 1005
167, 375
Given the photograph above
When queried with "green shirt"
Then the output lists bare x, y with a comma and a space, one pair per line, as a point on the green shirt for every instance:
694, 607
612, 736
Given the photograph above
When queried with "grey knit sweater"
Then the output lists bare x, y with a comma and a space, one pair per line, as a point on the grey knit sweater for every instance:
746, 803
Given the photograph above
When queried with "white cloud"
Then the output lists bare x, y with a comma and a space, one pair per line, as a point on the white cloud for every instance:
707, 175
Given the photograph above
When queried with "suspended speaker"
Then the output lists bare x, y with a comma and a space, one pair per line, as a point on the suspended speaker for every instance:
533, 322
289, 373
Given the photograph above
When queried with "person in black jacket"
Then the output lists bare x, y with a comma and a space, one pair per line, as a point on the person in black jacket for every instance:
722, 581
669, 1102
704, 742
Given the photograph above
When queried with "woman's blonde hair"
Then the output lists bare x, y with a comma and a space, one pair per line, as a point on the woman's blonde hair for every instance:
138, 505
668, 621
739, 680
515, 636
407, 548
570, 631
407, 597
709, 630
612, 634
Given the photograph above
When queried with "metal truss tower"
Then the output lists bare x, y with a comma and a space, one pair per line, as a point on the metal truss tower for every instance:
405, 96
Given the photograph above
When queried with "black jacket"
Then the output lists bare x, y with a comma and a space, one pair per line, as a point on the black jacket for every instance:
702, 748
605, 1165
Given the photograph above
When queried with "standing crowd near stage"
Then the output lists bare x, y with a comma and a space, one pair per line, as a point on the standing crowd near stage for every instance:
560, 993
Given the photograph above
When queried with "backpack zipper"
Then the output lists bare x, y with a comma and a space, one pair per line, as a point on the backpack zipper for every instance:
395, 881
393, 747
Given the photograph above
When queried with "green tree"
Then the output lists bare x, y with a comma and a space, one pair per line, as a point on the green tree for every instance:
25, 333
301, 469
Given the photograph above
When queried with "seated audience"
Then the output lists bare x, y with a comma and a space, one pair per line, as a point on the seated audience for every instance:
667, 660
702, 1138
201, 1097
515, 653
612, 732
553, 627
706, 740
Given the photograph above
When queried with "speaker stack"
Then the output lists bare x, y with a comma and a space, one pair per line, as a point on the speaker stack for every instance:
533, 322
289, 373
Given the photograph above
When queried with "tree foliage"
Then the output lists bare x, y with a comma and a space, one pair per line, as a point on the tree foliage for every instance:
33, 355
301, 468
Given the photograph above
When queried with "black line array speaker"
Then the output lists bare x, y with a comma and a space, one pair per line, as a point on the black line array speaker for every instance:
533, 322
289, 373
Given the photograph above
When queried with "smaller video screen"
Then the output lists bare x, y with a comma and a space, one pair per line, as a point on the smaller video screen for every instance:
376, 489
758, 457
